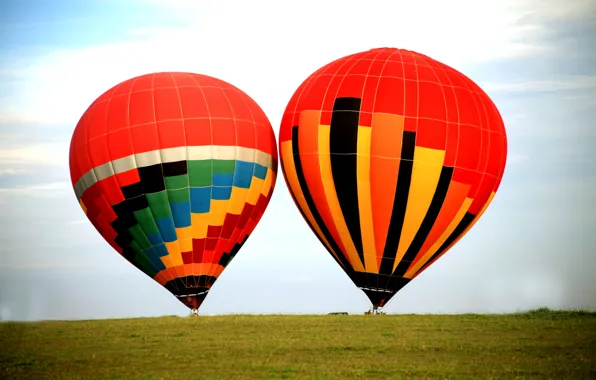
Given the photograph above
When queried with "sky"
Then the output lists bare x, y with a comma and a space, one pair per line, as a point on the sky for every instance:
533, 247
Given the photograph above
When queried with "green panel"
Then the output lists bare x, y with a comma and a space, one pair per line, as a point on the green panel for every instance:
180, 195
199, 172
224, 166
177, 182
141, 259
146, 221
135, 247
139, 237
159, 204
145, 265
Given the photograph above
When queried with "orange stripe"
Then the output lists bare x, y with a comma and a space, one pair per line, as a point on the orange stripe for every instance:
308, 139
385, 154
492, 195
287, 156
333, 202
456, 196
415, 267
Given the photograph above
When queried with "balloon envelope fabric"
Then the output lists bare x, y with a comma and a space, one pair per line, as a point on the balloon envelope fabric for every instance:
391, 157
175, 171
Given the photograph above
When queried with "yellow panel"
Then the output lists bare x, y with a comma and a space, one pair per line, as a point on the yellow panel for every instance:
173, 247
237, 200
292, 177
254, 192
184, 232
83, 206
490, 199
364, 200
476, 218
332, 201
174, 253
200, 223
166, 261
268, 181
452, 226
185, 244
218, 212
426, 171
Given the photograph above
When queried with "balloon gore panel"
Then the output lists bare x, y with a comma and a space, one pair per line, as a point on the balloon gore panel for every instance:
181, 189
391, 157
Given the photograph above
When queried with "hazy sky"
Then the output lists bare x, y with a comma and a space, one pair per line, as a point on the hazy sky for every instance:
533, 247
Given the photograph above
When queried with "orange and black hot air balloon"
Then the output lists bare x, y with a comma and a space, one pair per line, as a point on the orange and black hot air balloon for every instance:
175, 171
391, 158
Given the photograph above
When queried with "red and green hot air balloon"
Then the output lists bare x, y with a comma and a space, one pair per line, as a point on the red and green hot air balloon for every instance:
175, 171
391, 157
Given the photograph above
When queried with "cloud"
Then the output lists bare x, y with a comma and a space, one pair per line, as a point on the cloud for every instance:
10, 171
40, 154
42, 190
231, 39
567, 83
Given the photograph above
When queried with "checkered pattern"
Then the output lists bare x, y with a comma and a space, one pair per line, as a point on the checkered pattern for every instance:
175, 170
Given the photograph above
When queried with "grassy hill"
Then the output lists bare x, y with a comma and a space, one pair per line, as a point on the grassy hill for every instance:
541, 344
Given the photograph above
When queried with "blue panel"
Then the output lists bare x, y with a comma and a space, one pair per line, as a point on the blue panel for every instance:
152, 253
167, 229
222, 193
154, 257
181, 214
155, 238
223, 179
243, 174
161, 250
260, 171
200, 199
159, 265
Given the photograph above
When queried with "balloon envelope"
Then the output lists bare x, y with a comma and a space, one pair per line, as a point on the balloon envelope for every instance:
391, 158
174, 170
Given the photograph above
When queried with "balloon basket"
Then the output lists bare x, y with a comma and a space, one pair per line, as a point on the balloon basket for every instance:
374, 311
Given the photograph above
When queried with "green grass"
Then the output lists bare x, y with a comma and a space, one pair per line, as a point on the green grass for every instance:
540, 344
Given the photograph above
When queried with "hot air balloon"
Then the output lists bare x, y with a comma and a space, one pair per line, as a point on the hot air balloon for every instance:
391, 157
175, 170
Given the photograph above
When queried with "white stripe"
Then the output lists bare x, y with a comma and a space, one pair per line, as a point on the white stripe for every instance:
104, 171
245, 154
148, 158
173, 154
224, 152
263, 159
196, 153
124, 164
205, 152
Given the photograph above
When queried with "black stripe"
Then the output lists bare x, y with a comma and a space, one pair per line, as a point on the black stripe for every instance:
125, 219
132, 191
343, 148
177, 286
463, 224
428, 222
129, 206
128, 253
313, 208
152, 179
227, 257
400, 202
380, 298
171, 169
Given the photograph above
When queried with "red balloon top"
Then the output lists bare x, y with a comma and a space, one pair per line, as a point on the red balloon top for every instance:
443, 107
166, 110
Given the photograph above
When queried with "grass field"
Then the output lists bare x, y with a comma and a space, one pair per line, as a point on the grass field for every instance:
540, 344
